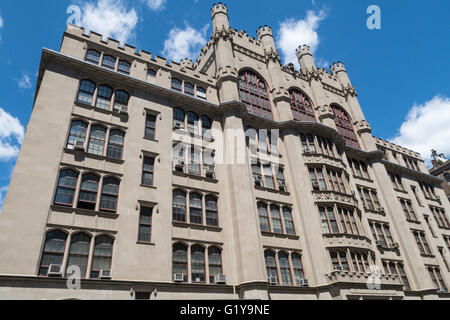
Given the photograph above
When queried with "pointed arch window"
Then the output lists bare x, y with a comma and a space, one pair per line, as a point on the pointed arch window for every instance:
206, 128
124, 67
214, 262
179, 206
110, 193
88, 192
195, 208
97, 140
104, 97
86, 92
263, 217
198, 263
254, 93
297, 266
121, 100
102, 258
115, 145
301, 106
79, 252
179, 260
271, 264
285, 270
211, 211
344, 127
109, 62
93, 56
77, 133
53, 253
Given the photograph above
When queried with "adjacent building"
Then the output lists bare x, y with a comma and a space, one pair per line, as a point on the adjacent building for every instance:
234, 177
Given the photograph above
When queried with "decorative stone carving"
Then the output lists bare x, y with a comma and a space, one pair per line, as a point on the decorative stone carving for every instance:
349, 90
313, 74
324, 112
328, 196
272, 55
362, 127
280, 94
224, 33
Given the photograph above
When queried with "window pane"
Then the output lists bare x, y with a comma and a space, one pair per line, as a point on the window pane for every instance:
115, 145
179, 206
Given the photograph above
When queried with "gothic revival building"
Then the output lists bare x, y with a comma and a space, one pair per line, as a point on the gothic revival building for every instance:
233, 177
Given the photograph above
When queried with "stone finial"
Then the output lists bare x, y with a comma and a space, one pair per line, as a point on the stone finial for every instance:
303, 50
219, 8
337, 67
264, 31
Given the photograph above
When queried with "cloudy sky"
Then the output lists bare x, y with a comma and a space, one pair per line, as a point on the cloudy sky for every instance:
401, 72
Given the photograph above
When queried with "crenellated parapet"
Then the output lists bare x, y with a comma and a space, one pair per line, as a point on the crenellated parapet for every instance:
337, 67
186, 64
264, 31
219, 8
302, 51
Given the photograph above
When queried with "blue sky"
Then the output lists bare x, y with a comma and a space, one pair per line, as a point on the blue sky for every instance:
401, 72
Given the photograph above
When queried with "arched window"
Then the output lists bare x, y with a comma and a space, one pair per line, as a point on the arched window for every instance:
109, 62
201, 93
110, 193
115, 144
301, 107
198, 263
178, 118
195, 208
271, 264
214, 262
179, 260
151, 73
104, 97
66, 187
297, 266
263, 217
102, 258
93, 56
53, 253
97, 140
212, 218
121, 100
288, 222
188, 88
86, 92
179, 206
285, 270
88, 192
79, 253
254, 94
206, 128
345, 127
77, 133
276, 219
192, 123
177, 84
124, 67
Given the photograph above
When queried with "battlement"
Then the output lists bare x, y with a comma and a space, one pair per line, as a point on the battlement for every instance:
337, 67
392, 146
219, 8
186, 63
264, 31
303, 50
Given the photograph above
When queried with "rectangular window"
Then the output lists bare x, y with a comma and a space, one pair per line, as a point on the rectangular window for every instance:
150, 127
145, 224
147, 171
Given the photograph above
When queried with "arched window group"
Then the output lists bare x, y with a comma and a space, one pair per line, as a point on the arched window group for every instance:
78, 254
301, 106
197, 263
203, 209
283, 268
278, 221
345, 127
88, 191
254, 94
103, 95
99, 136
191, 122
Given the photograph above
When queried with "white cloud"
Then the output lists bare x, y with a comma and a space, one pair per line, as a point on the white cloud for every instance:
24, 82
426, 127
1, 26
294, 33
110, 18
3, 191
184, 43
155, 4
11, 136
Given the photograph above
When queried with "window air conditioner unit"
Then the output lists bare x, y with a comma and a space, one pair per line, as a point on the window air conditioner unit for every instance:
273, 280
220, 279
178, 125
210, 172
54, 270
79, 145
124, 110
178, 277
442, 290
179, 164
105, 274
302, 282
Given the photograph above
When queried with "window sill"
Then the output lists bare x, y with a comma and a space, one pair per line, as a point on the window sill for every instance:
272, 190
105, 111
280, 235
413, 221
193, 176
150, 139
364, 179
148, 187
427, 255
373, 211
196, 226
444, 228
401, 191
346, 235
145, 243
104, 214
93, 156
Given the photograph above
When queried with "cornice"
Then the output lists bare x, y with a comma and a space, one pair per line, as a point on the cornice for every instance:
424, 177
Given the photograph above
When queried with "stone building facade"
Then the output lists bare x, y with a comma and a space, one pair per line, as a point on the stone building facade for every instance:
233, 177
441, 169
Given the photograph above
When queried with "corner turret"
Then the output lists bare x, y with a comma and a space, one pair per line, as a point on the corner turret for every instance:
219, 15
305, 59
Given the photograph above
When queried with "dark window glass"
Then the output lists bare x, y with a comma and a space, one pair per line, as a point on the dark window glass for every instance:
145, 224
86, 92
214, 263
88, 191
188, 88
345, 127
115, 145
212, 218
109, 62
102, 257
179, 206
97, 140
195, 208
93, 56
121, 100
150, 127
124, 67
104, 96
79, 253
253, 92
177, 84
53, 253
301, 107
66, 187
110, 194
198, 263
179, 260
147, 172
